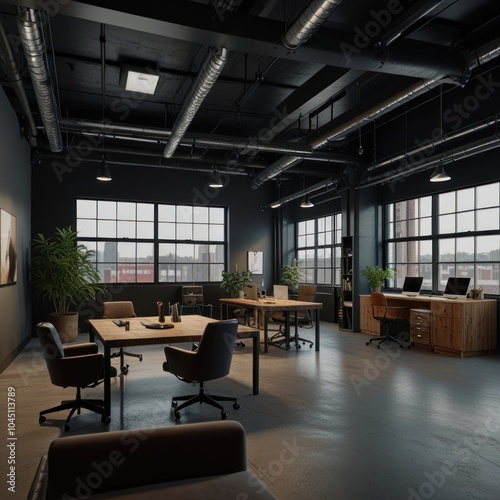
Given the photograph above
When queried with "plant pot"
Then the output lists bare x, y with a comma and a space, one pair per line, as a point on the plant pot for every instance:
375, 288
241, 294
66, 325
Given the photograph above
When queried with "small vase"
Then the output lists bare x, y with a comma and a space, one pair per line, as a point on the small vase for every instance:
161, 312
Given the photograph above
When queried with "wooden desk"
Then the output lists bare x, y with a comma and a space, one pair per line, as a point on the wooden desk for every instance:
270, 304
463, 327
189, 329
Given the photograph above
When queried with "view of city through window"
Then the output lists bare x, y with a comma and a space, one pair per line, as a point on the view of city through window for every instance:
148, 242
453, 234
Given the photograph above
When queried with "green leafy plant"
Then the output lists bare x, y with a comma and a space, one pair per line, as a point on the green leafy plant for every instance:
234, 282
290, 276
376, 276
62, 271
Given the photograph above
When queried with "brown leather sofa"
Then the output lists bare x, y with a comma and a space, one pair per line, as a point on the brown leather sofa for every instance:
201, 460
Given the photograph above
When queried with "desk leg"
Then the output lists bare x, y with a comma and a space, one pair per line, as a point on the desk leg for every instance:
317, 330
266, 330
107, 381
255, 369
287, 330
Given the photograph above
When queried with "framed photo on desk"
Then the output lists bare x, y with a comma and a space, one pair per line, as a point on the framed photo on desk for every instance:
256, 262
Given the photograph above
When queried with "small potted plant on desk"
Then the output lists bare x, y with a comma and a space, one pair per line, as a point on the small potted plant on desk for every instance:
377, 276
62, 271
234, 283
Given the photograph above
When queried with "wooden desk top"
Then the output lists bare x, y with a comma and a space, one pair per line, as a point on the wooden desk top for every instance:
429, 298
189, 329
272, 304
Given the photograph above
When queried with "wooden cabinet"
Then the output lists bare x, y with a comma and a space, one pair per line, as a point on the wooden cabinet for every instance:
420, 328
461, 327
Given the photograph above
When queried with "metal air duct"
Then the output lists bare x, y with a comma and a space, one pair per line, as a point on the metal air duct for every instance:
207, 76
34, 50
15, 76
308, 22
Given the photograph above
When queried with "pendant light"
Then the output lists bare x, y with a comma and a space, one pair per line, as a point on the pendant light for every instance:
439, 174
103, 170
216, 181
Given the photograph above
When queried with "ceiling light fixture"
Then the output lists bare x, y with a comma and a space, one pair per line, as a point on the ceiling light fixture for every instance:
439, 175
216, 181
103, 173
135, 79
307, 203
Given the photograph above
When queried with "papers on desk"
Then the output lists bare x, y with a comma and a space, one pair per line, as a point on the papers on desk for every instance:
157, 326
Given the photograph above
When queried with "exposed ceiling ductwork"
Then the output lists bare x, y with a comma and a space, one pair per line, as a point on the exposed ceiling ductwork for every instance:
308, 22
211, 69
15, 76
34, 49
484, 54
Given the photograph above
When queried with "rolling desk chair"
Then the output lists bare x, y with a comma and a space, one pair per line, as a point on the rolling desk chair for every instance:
386, 316
305, 293
120, 309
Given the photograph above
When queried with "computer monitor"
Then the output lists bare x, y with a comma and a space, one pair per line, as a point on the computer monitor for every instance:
456, 288
280, 292
252, 292
412, 285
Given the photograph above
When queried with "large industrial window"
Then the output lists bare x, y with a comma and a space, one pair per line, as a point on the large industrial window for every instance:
456, 233
318, 249
149, 242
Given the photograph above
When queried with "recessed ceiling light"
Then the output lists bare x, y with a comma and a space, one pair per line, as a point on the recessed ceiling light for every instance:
139, 80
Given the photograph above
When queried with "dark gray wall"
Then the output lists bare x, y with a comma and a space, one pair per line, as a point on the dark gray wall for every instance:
15, 198
250, 228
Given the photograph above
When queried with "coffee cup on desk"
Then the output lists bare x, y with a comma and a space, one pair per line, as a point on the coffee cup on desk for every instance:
477, 293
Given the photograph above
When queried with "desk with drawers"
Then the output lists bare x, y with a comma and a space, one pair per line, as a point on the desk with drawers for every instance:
462, 327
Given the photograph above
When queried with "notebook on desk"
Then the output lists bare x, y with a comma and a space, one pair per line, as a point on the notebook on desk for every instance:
280, 292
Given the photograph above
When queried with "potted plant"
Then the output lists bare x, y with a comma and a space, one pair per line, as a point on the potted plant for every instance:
235, 282
63, 272
290, 276
376, 276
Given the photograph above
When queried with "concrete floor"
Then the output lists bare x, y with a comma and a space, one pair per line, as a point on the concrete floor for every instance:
348, 422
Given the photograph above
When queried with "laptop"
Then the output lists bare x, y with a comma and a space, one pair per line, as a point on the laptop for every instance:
280, 292
412, 286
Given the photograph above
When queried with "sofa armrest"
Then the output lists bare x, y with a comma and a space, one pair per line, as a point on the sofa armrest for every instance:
95, 463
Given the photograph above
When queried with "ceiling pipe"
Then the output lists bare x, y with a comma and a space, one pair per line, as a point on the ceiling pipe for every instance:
407, 19
354, 123
308, 22
484, 54
472, 149
15, 76
432, 144
158, 136
211, 69
30, 30
300, 194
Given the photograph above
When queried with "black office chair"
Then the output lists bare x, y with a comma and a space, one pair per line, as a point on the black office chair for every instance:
79, 366
386, 316
305, 293
212, 360
120, 309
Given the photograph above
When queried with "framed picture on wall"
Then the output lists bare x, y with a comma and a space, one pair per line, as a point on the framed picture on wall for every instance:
256, 262
8, 252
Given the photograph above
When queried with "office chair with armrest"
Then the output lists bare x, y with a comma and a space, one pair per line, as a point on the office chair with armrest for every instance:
386, 316
77, 366
212, 360
305, 293
120, 309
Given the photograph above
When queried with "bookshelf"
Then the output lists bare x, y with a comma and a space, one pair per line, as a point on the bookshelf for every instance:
346, 263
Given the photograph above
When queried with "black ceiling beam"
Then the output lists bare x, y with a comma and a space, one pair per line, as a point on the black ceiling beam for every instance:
201, 24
